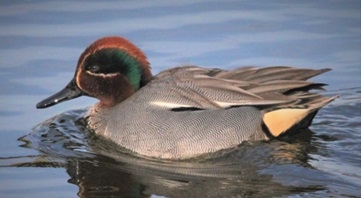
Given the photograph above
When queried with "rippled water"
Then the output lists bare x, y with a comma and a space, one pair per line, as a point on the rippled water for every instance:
49, 153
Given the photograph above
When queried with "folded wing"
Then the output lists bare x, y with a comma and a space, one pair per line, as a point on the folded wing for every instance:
282, 92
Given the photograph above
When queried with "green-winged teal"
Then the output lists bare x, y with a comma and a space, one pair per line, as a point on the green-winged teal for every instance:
187, 111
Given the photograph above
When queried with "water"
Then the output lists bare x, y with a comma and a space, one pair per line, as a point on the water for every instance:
40, 42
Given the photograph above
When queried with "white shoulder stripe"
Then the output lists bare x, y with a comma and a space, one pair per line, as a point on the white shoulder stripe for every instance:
168, 104
227, 104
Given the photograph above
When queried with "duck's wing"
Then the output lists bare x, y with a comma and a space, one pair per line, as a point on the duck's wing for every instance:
193, 87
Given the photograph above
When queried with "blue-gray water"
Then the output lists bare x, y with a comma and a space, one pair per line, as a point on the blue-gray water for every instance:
40, 42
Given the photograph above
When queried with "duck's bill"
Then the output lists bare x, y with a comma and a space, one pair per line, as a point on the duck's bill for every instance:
69, 92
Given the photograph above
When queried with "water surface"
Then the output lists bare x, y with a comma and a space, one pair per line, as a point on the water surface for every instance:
40, 42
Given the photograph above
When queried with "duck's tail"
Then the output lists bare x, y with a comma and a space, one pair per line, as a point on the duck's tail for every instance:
281, 121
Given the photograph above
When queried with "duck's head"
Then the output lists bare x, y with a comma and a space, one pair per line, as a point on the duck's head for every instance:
110, 69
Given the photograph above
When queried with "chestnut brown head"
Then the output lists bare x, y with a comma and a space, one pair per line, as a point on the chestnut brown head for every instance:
111, 69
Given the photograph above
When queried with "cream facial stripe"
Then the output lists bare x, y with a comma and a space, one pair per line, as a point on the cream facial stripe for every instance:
79, 71
101, 74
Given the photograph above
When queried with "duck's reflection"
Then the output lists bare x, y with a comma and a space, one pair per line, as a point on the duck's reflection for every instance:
222, 177
95, 180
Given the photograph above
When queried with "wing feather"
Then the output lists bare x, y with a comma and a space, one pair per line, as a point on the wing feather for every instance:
205, 88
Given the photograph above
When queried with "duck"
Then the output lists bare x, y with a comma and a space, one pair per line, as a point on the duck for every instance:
187, 111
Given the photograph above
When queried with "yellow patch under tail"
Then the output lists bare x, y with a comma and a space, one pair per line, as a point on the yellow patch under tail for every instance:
281, 120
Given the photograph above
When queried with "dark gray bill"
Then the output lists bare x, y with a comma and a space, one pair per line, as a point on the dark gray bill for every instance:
69, 92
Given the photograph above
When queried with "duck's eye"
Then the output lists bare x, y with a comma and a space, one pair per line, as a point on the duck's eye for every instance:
93, 68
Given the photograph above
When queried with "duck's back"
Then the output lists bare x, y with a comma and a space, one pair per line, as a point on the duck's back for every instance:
189, 111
